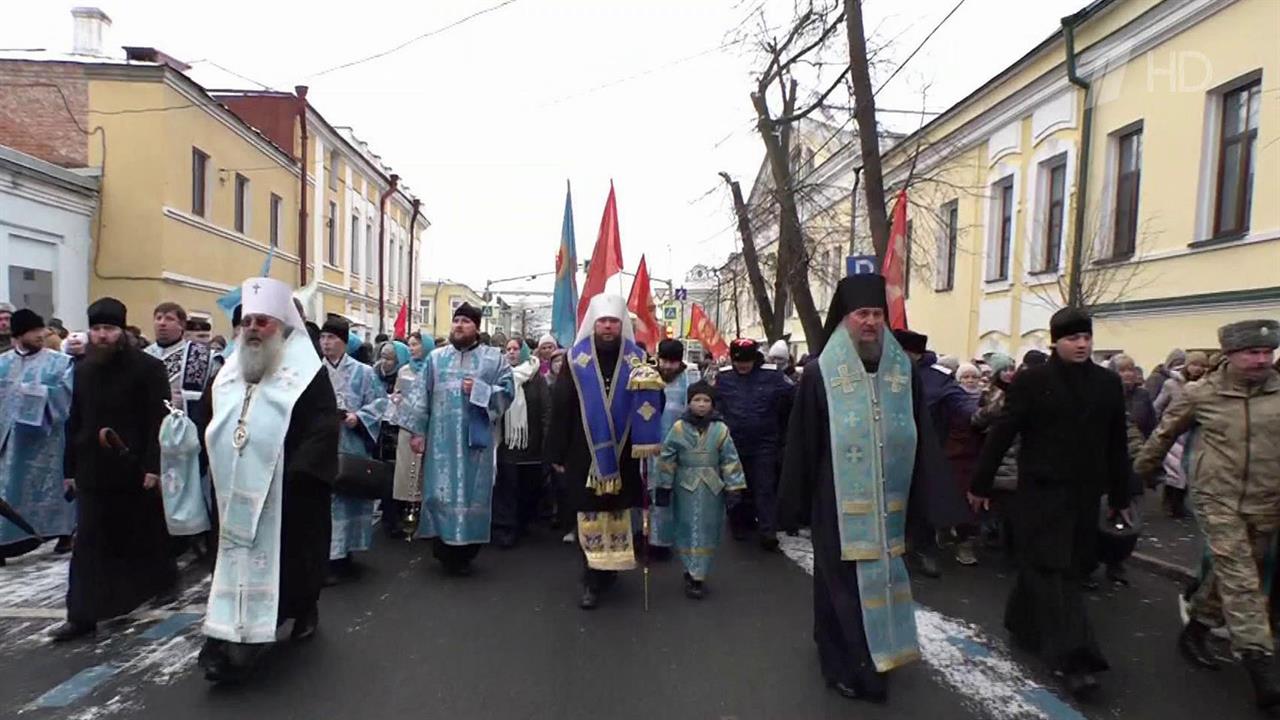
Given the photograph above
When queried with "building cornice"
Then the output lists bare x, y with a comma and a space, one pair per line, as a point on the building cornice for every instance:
198, 97
201, 224
195, 283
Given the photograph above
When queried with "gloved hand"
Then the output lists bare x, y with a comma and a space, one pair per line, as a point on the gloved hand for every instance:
662, 497
732, 499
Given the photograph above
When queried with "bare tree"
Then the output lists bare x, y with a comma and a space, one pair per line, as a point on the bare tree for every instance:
1103, 278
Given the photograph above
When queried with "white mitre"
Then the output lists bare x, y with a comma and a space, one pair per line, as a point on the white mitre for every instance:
270, 297
602, 306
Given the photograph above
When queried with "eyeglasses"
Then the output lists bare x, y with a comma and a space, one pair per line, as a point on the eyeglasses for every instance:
260, 322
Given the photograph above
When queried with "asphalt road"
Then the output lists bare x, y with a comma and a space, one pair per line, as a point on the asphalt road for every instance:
510, 642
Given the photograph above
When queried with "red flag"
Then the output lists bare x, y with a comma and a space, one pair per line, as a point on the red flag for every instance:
701, 327
648, 332
402, 321
894, 269
606, 259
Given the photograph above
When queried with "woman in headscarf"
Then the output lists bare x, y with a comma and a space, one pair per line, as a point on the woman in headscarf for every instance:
406, 490
991, 407
519, 476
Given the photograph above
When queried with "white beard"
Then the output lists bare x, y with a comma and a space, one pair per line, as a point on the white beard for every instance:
257, 360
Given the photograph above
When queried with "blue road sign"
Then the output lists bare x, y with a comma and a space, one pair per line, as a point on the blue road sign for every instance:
860, 265
682, 294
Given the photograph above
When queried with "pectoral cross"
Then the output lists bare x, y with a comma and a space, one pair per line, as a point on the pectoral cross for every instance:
240, 436
845, 381
896, 381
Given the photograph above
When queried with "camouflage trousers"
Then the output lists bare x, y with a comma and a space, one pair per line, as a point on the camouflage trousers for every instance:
1231, 591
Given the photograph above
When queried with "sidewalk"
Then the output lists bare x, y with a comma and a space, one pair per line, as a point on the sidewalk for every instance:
1168, 546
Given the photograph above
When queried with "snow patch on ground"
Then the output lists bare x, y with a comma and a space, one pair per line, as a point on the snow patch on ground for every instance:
977, 668
37, 579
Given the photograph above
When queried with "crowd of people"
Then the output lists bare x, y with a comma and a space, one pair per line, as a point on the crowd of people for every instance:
307, 437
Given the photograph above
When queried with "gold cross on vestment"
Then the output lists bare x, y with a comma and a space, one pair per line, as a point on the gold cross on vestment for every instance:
647, 411
896, 381
845, 381
855, 454
583, 360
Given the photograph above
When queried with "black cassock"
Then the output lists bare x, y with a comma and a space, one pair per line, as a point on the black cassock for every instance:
121, 556
310, 452
807, 496
1071, 421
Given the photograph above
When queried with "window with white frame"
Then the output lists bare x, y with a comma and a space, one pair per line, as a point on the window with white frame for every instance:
1001, 250
274, 221
241, 203
1053, 212
1128, 183
354, 250
425, 305
369, 241
331, 254
199, 182
1237, 154
945, 264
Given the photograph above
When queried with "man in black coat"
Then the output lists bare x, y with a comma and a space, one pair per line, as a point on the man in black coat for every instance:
121, 555
1070, 414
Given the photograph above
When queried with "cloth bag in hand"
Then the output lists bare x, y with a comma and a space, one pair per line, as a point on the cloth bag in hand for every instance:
185, 509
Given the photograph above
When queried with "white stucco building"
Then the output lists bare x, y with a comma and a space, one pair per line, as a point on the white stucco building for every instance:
46, 218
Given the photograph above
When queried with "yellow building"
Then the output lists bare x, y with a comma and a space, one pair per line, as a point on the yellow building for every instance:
197, 190
437, 301
1170, 131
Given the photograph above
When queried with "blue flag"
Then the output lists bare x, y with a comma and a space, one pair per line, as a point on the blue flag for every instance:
564, 305
229, 301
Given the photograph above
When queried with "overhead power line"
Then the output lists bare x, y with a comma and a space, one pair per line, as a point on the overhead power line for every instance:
413, 40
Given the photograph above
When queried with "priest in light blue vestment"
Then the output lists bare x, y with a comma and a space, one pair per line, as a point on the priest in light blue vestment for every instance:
361, 401
860, 449
35, 399
453, 412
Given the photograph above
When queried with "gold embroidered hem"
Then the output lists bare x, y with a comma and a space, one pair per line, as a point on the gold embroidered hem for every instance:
887, 663
606, 485
645, 451
605, 538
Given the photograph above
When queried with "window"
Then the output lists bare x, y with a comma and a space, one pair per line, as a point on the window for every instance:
1055, 213
1128, 177
199, 181
332, 253
242, 202
1237, 154
455, 301
355, 243
998, 262
369, 267
333, 169
425, 305
274, 230
946, 265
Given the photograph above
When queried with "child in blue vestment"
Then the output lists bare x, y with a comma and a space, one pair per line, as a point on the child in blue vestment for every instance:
698, 475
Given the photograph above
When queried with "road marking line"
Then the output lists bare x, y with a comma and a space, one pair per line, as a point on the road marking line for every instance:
172, 625
966, 661
75, 687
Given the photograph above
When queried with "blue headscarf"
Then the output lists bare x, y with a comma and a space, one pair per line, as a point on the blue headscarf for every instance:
354, 343
403, 356
428, 344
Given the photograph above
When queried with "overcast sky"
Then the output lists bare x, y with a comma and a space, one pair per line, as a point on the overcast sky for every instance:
487, 120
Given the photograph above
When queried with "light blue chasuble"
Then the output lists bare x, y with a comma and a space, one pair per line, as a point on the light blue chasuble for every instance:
357, 390
458, 476
698, 467
245, 442
35, 400
873, 449
661, 525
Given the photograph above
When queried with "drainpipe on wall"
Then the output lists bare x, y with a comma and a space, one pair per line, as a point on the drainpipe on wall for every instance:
301, 92
413, 269
1075, 282
382, 255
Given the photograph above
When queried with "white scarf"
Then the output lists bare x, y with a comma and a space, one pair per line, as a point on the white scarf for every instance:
517, 416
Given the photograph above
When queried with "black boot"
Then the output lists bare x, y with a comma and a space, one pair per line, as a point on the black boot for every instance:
1081, 685
590, 600
769, 542
213, 660
925, 564
63, 546
1194, 645
70, 630
304, 628
1261, 669
693, 589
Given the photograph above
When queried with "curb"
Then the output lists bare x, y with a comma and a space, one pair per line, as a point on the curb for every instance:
1163, 568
